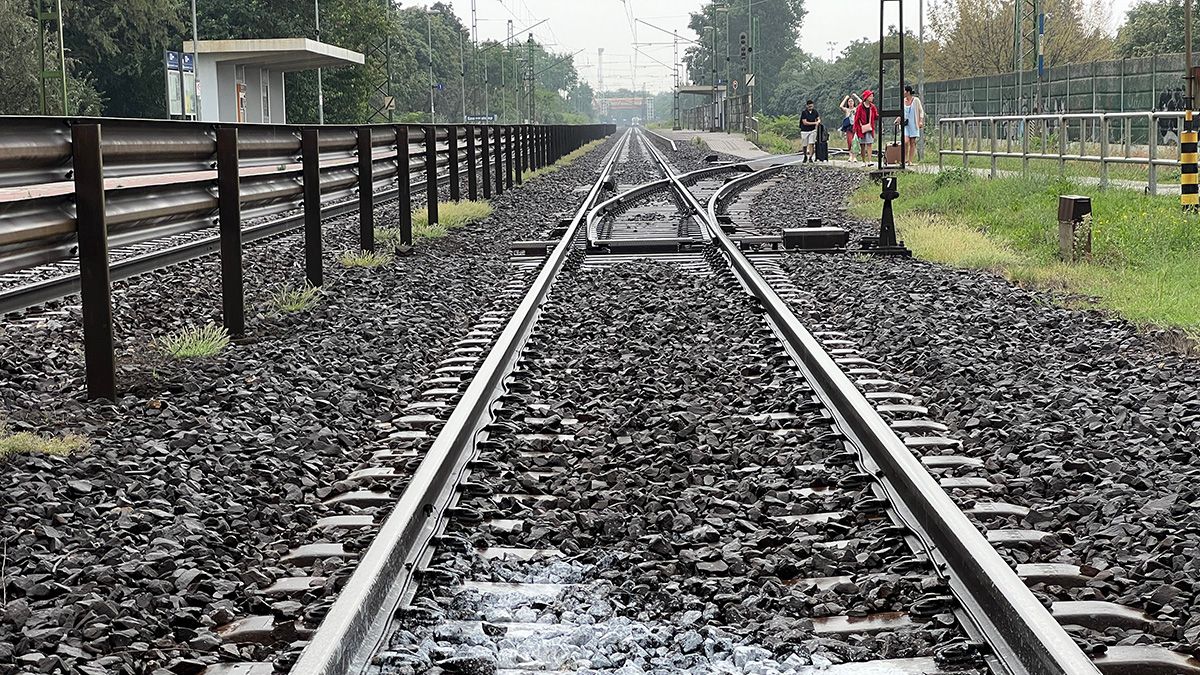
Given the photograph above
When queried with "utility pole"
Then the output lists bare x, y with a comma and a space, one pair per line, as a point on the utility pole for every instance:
508, 47
195, 61
320, 87
532, 84
51, 28
429, 29
715, 101
462, 74
676, 124
1187, 39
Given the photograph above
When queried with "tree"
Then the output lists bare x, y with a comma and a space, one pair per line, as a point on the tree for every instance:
19, 67
1154, 27
778, 24
975, 37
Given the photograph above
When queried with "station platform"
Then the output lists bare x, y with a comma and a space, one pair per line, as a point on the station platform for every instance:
730, 144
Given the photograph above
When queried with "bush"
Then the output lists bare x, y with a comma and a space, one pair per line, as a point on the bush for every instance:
786, 126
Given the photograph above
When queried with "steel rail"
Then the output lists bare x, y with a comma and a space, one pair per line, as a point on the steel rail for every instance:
356, 622
1022, 632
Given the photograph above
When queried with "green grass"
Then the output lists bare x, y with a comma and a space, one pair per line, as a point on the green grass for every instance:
453, 214
566, 160
24, 442
366, 259
776, 144
196, 342
289, 300
1145, 262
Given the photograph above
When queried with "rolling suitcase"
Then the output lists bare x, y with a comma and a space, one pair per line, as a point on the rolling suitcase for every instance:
822, 144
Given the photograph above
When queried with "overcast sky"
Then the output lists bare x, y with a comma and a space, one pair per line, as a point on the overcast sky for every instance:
587, 25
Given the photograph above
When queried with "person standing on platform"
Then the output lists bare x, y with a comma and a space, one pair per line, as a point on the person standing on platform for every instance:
914, 122
866, 125
848, 105
810, 120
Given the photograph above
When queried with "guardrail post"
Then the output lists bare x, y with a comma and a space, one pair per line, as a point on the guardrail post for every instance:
310, 150
1025, 148
229, 204
95, 286
1063, 133
431, 173
498, 147
517, 151
452, 163
543, 146
509, 141
366, 190
1104, 129
995, 129
404, 186
1152, 168
472, 164
486, 160
941, 145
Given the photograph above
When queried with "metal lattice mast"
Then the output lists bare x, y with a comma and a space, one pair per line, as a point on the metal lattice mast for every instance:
1027, 46
53, 53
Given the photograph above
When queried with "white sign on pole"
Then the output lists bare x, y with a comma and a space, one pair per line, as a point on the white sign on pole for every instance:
749, 79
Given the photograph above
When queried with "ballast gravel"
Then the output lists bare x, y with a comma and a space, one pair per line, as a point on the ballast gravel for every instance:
126, 557
633, 454
1084, 418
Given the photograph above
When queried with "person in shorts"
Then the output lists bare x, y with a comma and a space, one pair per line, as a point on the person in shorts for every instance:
866, 125
810, 120
848, 105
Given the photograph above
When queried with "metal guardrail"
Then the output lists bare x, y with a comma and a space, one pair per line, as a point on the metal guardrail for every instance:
85, 184
1106, 139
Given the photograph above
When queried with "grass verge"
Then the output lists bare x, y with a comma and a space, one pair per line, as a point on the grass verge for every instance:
23, 442
1145, 262
289, 300
196, 342
367, 259
564, 161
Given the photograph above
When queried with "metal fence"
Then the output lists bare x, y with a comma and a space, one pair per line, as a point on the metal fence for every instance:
1151, 83
1105, 139
76, 186
730, 114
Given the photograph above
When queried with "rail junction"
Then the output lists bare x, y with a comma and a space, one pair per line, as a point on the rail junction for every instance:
644, 455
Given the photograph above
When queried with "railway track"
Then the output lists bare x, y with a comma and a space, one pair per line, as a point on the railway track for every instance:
644, 462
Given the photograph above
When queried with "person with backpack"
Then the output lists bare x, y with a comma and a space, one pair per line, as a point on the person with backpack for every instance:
848, 105
810, 120
866, 125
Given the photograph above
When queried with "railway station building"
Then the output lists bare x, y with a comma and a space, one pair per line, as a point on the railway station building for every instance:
243, 80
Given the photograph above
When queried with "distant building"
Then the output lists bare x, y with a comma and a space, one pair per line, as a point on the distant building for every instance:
242, 80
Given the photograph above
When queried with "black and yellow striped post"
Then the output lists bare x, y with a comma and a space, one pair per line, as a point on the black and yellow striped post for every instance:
1189, 186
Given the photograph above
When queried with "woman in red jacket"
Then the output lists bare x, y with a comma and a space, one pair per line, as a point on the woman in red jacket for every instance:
866, 124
